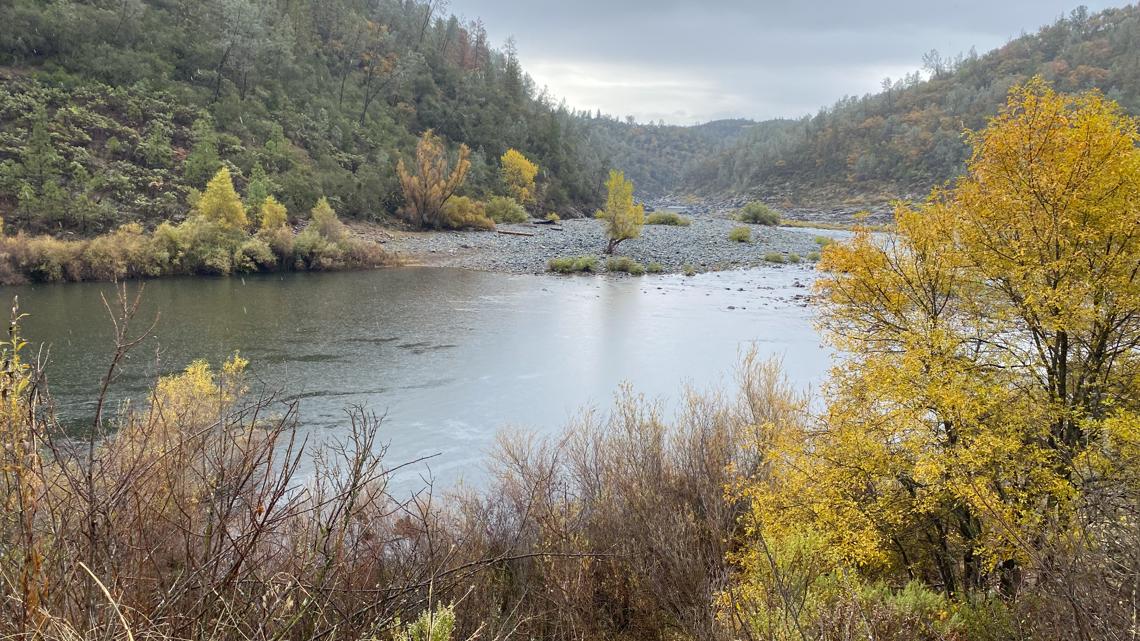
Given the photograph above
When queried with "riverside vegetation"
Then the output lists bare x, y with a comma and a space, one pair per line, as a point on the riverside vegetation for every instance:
217, 238
974, 472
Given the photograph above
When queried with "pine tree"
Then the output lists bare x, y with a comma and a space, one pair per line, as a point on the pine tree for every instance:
203, 159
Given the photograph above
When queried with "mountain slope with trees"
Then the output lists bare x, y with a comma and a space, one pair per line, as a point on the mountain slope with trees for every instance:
114, 112
907, 138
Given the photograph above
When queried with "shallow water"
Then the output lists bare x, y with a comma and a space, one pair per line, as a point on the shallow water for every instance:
452, 357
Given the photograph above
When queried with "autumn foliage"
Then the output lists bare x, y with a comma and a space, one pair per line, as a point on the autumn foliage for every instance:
623, 218
518, 174
431, 181
980, 435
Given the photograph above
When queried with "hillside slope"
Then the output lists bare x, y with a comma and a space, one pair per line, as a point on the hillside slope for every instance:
904, 140
117, 111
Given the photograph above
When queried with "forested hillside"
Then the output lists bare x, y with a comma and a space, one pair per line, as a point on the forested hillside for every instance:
657, 156
909, 137
118, 111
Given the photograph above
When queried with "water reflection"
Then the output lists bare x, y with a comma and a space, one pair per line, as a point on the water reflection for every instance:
451, 357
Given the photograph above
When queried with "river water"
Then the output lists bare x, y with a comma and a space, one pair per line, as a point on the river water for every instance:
451, 357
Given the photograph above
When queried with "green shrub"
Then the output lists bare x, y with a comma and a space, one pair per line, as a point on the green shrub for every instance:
312, 251
553, 217
254, 255
125, 253
280, 240
461, 212
759, 214
794, 258
573, 264
688, 269
654, 268
325, 221
774, 257
625, 264
813, 256
667, 218
361, 253
504, 209
740, 234
437, 625
823, 241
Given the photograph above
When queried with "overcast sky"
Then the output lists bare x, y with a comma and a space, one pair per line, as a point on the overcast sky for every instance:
687, 62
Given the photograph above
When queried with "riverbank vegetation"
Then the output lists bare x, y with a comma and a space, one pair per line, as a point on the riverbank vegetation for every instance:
573, 264
625, 265
218, 238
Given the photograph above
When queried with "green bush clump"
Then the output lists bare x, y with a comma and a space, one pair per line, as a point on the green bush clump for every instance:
794, 258
654, 268
461, 212
625, 264
740, 234
688, 269
667, 218
504, 209
824, 241
758, 213
813, 257
573, 264
774, 257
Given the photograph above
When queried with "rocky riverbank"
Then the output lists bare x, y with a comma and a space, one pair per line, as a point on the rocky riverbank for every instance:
703, 245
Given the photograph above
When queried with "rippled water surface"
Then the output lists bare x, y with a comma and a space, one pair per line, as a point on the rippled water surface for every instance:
451, 357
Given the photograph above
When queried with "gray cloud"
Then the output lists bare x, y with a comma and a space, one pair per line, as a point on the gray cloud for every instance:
686, 62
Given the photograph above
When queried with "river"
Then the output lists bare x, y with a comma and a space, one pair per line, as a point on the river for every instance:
451, 357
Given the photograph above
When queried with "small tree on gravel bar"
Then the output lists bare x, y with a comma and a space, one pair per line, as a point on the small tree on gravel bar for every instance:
623, 218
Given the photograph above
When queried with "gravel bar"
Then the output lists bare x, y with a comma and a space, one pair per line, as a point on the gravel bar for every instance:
704, 245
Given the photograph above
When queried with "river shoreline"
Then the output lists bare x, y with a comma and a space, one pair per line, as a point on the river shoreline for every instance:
526, 248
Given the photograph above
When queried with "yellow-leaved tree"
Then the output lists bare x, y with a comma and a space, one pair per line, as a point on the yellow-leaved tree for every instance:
432, 181
323, 218
518, 174
272, 214
221, 204
622, 216
990, 385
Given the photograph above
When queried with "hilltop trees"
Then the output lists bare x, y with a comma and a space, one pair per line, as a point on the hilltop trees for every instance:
623, 218
431, 181
907, 138
983, 434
